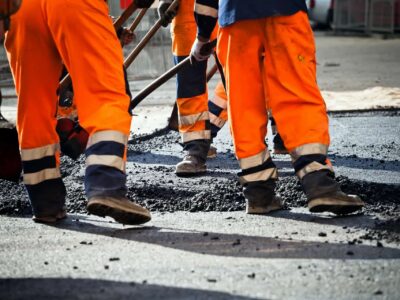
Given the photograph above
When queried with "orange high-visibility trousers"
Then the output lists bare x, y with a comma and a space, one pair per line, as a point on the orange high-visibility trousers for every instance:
218, 109
192, 94
289, 77
80, 33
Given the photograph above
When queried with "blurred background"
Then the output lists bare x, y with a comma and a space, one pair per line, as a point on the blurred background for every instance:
336, 17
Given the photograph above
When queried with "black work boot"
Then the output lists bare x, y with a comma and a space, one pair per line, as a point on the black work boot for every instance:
194, 162
324, 194
260, 197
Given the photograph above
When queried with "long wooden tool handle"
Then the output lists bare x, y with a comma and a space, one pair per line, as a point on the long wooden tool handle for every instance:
139, 47
127, 13
137, 20
212, 71
158, 82
162, 79
66, 81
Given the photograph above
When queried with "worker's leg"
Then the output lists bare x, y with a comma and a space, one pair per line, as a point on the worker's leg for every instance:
243, 41
36, 67
299, 109
279, 146
192, 97
218, 108
92, 53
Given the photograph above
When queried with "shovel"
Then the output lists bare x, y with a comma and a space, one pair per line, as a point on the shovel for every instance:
162, 79
10, 158
153, 30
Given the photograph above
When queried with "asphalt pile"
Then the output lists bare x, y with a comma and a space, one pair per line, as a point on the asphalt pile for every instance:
152, 182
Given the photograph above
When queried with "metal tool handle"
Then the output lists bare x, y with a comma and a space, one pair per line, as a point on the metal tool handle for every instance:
137, 20
162, 79
139, 47
212, 72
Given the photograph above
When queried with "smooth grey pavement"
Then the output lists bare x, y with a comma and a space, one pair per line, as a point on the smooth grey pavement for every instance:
288, 255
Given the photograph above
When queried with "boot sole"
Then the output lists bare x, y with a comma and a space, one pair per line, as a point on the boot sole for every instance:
190, 174
50, 219
275, 205
198, 172
119, 211
336, 206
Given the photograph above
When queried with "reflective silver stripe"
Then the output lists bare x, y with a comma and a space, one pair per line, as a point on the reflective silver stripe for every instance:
38, 177
266, 174
220, 102
217, 121
107, 136
255, 160
307, 149
192, 119
40, 152
206, 10
196, 135
106, 160
312, 167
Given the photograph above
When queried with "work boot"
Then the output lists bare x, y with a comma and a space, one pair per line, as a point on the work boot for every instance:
279, 146
48, 219
324, 194
260, 197
121, 210
194, 162
190, 166
212, 152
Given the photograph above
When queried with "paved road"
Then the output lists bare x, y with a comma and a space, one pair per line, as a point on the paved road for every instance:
287, 255
197, 256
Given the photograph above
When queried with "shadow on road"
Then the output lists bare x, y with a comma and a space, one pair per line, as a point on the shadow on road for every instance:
82, 288
234, 245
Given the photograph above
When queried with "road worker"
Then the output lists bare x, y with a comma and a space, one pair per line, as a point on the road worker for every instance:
281, 30
80, 34
196, 124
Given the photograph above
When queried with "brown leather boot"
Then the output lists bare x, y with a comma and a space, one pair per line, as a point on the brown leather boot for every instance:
121, 210
260, 197
324, 194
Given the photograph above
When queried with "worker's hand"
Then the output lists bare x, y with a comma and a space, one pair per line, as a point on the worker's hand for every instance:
7, 8
164, 14
144, 3
126, 37
201, 50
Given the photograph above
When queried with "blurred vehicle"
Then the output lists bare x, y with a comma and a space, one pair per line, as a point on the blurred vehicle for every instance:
320, 12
